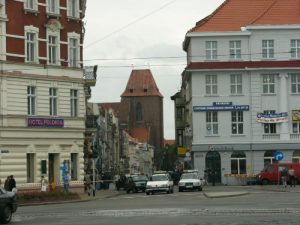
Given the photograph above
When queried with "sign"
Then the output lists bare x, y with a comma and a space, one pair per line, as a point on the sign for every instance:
181, 151
45, 122
278, 155
272, 117
296, 115
221, 106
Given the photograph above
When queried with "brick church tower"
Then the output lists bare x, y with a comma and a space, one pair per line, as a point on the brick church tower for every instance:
145, 108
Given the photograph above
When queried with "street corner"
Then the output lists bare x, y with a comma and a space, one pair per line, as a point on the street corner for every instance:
225, 194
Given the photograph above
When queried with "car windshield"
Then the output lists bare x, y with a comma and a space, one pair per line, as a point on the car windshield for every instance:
159, 177
189, 176
139, 178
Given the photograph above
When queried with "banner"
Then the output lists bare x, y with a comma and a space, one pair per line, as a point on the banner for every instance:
272, 118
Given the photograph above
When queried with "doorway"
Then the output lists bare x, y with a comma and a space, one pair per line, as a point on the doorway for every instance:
53, 165
213, 162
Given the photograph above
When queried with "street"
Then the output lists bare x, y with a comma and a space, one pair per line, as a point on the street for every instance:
259, 206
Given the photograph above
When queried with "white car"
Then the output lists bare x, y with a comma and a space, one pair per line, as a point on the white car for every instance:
190, 181
160, 183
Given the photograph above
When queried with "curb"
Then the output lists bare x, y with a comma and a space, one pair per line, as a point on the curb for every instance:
224, 194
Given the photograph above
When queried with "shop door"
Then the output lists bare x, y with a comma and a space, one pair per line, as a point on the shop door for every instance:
213, 162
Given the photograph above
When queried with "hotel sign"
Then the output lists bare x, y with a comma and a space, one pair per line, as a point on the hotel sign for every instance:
272, 117
296, 115
221, 106
45, 122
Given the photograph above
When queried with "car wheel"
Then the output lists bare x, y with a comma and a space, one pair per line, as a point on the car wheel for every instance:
172, 190
180, 189
200, 189
128, 191
265, 182
6, 215
148, 193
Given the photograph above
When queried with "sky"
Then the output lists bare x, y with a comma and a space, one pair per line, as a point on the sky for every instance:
121, 35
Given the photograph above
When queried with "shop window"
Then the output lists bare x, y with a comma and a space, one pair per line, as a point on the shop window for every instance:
238, 163
269, 157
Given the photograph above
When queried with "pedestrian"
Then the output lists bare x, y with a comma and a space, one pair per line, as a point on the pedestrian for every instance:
292, 177
213, 177
6, 183
284, 173
66, 180
44, 184
11, 183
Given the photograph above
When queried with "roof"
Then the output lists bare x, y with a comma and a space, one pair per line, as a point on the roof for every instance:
141, 133
120, 109
243, 65
234, 14
141, 83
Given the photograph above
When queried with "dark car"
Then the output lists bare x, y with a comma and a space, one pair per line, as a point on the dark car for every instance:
136, 183
8, 205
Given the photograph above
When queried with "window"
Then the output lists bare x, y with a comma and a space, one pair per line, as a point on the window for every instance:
295, 49
211, 84
74, 102
73, 52
53, 101
269, 128
179, 138
269, 159
53, 6
31, 5
31, 47
139, 112
296, 156
211, 50
235, 49
211, 123
180, 113
31, 100
74, 166
73, 8
296, 127
269, 84
236, 84
52, 49
295, 83
268, 49
237, 122
238, 163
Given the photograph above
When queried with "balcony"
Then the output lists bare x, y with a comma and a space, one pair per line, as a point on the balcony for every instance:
295, 137
268, 137
90, 76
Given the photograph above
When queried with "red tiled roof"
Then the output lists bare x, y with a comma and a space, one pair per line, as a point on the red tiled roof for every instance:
141, 83
244, 64
234, 14
140, 133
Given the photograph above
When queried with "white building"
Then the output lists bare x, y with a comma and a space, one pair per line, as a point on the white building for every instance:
242, 86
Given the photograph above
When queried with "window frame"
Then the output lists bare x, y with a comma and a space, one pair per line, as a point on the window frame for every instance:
211, 50
237, 121
73, 8
74, 60
31, 100
211, 84
270, 128
50, 49
239, 157
268, 84
53, 7
295, 50
74, 102
236, 84
268, 49
31, 5
53, 101
295, 83
179, 137
212, 126
235, 51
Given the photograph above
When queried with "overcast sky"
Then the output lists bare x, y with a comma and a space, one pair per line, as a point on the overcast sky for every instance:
126, 34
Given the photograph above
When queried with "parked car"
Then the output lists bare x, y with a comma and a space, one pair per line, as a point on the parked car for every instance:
136, 183
190, 181
160, 182
8, 205
271, 175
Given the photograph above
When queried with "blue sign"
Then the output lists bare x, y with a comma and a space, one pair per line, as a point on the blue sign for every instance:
220, 107
45, 122
278, 155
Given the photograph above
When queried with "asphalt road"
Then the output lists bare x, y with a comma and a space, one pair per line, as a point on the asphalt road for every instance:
265, 207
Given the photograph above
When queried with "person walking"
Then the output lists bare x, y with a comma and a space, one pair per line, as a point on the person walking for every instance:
44, 184
6, 183
284, 174
292, 177
66, 180
11, 183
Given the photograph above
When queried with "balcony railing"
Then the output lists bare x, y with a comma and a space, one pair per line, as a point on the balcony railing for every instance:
271, 136
295, 136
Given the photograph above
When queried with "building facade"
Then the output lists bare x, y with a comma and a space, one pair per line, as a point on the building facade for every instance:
42, 91
241, 87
